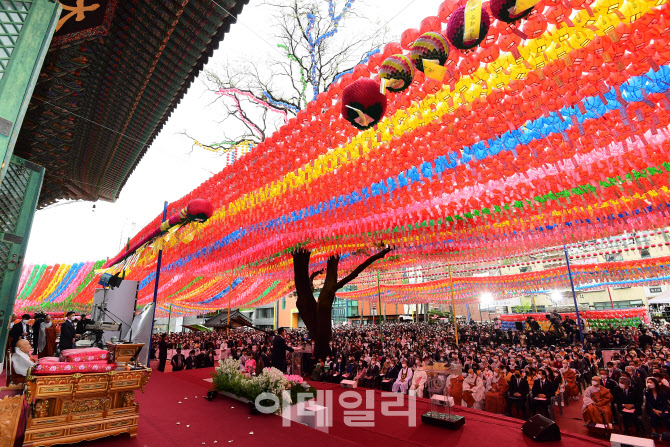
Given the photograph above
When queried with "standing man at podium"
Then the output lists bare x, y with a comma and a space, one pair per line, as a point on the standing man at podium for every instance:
279, 349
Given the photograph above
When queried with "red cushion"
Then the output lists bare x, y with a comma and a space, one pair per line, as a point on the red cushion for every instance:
70, 367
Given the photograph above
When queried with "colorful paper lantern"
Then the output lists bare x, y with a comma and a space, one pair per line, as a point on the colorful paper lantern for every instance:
503, 10
397, 73
430, 46
456, 29
363, 105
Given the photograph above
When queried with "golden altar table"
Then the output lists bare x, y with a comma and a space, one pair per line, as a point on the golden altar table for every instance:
69, 408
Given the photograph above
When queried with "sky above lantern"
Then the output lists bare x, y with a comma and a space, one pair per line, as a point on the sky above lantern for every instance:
72, 232
560, 139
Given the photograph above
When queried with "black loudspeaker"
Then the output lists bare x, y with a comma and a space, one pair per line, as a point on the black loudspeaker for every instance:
540, 429
519, 325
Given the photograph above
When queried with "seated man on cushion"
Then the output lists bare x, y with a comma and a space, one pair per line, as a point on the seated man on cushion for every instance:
21, 360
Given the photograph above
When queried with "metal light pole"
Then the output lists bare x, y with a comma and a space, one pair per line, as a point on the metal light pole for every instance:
453, 305
379, 298
574, 296
169, 317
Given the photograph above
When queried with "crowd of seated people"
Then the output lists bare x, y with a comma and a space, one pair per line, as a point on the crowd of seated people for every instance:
517, 373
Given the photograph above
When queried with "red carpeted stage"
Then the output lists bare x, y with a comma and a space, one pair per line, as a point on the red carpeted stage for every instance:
172, 398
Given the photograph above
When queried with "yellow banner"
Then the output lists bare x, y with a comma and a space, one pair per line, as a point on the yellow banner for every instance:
433, 70
522, 5
473, 20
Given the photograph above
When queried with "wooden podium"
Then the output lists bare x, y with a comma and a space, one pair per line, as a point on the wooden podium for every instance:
70, 408
123, 352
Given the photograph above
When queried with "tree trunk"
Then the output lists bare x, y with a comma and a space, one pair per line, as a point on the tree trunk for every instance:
317, 315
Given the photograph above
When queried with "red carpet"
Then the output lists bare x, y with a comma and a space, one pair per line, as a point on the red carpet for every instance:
203, 422
224, 420
480, 429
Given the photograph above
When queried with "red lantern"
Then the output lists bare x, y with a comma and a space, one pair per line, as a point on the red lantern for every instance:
362, 103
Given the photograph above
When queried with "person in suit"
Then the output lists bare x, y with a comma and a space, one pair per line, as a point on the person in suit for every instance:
390, 376
518, 393
68, 333
607, 381
279, 349
265, 357
628, 402
543, 390
645, 339
21, 330
613, 373
190, 360
82, 323
178, 361
370, 380
656, 405
162, 352
339, 367
39, 318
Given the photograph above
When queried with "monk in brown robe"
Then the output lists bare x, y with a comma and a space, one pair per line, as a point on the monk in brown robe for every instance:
495, 399
571, 387
597, 400
47, 340
455, 384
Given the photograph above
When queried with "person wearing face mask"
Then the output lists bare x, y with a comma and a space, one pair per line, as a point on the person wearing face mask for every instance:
612, 372
606, 381
404, 379
21, 330
543, 390
390, 376
371, 375
628, 402
473, 390
495, 398
455, 385
47, 340
570, 379
596, 406
656, 405
419, 379
335, 374
67, 332
518, 393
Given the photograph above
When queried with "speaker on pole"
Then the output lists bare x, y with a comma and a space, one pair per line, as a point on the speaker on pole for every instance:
519, 325
541, 429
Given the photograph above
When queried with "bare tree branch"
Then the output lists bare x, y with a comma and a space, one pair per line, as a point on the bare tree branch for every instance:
276, 87
365, 264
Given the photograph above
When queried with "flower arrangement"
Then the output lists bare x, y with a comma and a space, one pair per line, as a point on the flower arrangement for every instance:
293, 378
229, 378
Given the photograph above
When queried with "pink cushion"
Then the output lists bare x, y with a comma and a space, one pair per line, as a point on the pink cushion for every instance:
80, 351
69, 367
48, 360
84, 355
